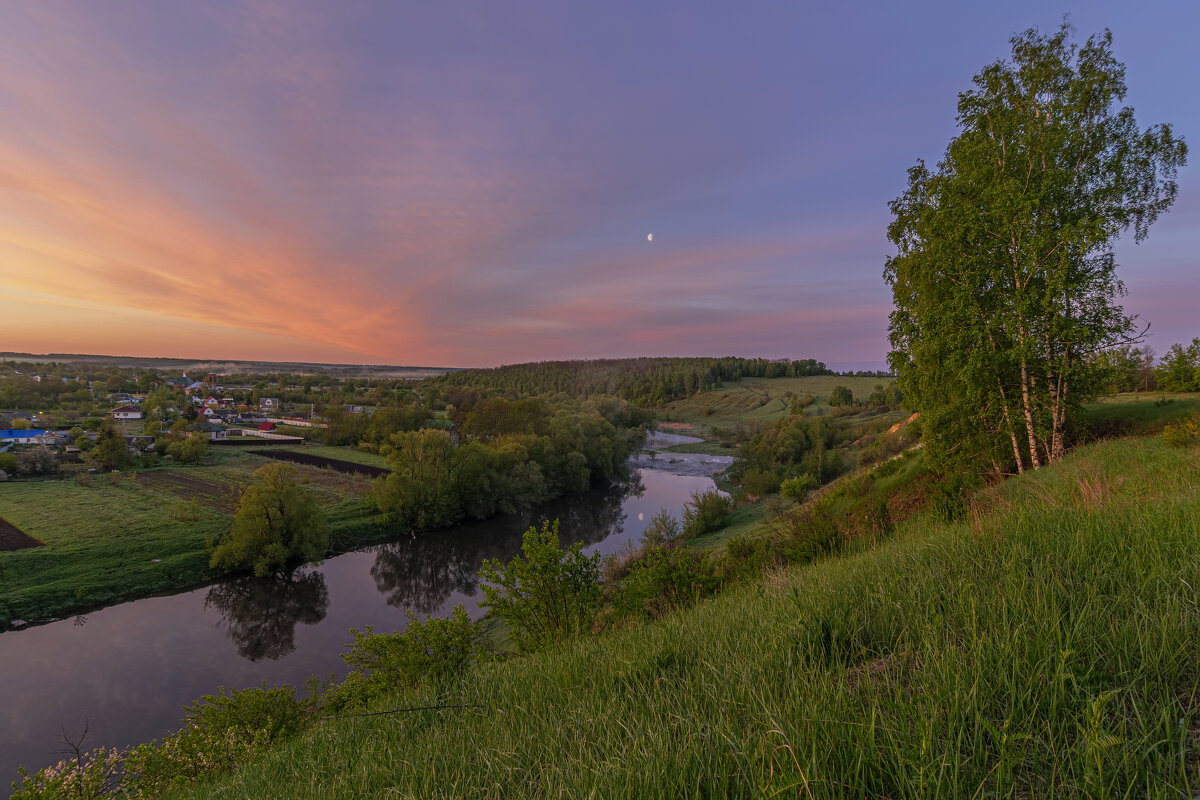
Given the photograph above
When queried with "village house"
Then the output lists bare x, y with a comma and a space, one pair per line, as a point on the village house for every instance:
25, 436
126, 412
270, 405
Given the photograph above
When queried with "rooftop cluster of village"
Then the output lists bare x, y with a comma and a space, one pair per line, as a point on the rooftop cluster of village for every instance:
66, 408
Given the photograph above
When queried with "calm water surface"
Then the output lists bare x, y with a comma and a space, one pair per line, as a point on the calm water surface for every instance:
126, 671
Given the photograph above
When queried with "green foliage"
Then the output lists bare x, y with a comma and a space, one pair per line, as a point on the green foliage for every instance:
948, 499
1004, 279
1183, 433
705, 512
665, 579
808, 533
277, 523
1179, 370
642, 381
1126, 368
88, 776
759, 482
546, 596
437, 651
840, 396
797, 486
186, 511
220, 731
111, 451
8, 463
39, 460
802, 402
662, 529
420, 492
189, 449
524, 453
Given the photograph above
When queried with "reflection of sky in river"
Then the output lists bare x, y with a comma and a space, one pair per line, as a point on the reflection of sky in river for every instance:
127, 670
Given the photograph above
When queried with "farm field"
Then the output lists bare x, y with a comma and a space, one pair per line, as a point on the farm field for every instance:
116, 536
309, 458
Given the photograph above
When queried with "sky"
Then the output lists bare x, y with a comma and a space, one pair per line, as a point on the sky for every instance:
471, 184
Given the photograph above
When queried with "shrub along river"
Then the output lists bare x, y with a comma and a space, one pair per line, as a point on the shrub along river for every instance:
125, 672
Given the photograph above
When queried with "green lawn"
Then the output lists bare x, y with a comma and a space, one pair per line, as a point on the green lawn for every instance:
103, 543
346, 454
122, 537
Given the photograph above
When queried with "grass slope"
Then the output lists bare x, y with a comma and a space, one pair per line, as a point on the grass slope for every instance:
1045, 646
762, 400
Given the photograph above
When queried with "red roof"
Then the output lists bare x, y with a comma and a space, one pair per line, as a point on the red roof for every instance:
267, 426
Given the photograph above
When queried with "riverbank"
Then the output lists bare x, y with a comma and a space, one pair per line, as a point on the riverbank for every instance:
1043, 644
128, 669
111, 537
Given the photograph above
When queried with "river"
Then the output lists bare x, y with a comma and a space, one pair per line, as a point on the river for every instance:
125, 672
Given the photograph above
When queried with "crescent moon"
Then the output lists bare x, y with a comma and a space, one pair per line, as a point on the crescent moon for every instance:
650, 238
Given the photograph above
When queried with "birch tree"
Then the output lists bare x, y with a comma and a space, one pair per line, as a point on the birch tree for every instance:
1004, 280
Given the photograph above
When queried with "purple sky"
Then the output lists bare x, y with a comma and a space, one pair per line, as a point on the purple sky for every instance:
467, 185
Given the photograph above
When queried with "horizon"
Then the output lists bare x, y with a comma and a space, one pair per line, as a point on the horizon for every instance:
210, 361
383, 186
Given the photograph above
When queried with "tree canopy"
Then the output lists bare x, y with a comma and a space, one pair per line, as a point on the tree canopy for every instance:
277, 523
1004, 279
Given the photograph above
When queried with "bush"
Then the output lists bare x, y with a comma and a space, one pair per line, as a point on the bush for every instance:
705, 512
220, 731
186, 511
840, 396
948, 498
807, 534
666, 579
1183, 433
39, 460
436, 651
547, 596
798, 486
663, 528
758, 482
8, 463
87, 776
188, 450
747, 556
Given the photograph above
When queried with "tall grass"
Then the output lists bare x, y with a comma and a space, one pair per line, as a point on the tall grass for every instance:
1043, 646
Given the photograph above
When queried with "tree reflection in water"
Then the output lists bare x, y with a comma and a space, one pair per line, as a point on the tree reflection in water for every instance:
421, 573
261, 613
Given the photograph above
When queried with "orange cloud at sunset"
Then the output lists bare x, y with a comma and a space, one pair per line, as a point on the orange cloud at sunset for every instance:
418, 185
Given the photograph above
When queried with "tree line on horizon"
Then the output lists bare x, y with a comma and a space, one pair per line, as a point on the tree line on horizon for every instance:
643, 381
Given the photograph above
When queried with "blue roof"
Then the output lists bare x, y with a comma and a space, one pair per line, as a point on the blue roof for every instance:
17, 433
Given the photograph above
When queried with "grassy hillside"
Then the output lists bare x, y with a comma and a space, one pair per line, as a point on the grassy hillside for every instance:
1044, 645
762, 400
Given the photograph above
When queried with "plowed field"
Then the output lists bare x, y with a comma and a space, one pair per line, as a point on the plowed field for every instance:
208, 494
13, 538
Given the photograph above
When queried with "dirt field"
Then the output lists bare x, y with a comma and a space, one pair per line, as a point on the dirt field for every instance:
210, 495
309, 460
13, 538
